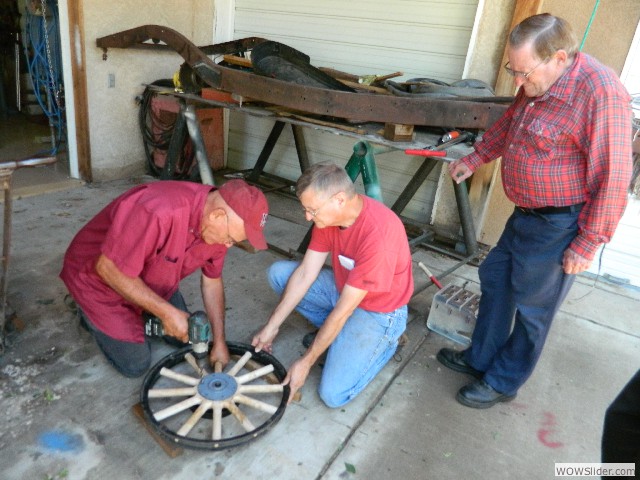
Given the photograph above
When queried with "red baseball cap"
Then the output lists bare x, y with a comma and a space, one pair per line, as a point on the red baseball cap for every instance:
251, 206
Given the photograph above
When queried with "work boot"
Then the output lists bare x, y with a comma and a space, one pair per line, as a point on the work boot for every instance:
454, 360
308, 339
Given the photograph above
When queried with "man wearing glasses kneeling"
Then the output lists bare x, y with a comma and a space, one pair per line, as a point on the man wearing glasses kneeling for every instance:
360, 307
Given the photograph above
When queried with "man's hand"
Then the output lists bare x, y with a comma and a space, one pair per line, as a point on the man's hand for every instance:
296, 376
263, 340
177, 326
572, 263
459, 171
219, 353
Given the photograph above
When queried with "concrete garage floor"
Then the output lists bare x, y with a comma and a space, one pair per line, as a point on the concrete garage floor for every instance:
65, 413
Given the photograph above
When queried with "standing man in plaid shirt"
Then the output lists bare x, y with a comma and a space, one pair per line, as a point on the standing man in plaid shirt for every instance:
565, 145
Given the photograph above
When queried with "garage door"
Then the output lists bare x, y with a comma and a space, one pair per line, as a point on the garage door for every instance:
420, 38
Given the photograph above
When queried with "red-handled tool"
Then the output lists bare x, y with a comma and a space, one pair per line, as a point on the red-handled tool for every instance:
430, 275
426, 152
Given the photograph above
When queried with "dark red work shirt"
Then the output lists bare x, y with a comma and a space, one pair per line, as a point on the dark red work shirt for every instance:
152, 232
568, 146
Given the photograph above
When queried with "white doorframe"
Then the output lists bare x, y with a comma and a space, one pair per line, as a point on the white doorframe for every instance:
632, 63
65, 47
224, 16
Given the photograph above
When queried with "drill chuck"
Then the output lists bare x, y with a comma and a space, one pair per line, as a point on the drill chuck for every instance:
198, 329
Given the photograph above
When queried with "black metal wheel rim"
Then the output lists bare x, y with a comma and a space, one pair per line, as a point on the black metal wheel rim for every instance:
188, 403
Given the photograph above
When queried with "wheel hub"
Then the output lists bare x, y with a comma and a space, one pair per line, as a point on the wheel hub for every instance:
217, 386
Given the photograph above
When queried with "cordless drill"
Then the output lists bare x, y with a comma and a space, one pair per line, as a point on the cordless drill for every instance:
198, 329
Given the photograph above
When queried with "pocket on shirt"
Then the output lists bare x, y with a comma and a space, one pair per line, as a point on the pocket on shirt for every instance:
162, 273
544, 138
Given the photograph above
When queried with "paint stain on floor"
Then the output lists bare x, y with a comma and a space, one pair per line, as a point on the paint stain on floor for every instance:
61, 441
548, 430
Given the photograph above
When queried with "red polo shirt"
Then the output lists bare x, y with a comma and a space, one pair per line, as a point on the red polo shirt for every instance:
378, 247
152, 232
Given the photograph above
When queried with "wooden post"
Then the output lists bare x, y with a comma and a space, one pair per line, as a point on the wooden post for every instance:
79, 75
485, 184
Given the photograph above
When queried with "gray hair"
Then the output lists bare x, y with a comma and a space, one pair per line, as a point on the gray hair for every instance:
547, 33
325, 178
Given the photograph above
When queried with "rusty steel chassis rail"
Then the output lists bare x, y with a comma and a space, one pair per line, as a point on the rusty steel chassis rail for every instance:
6, 171
358, 107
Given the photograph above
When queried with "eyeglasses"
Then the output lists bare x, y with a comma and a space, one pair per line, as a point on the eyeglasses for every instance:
525, 75
313, 213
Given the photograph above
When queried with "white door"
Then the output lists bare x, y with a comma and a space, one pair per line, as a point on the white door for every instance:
418, 37
620, 259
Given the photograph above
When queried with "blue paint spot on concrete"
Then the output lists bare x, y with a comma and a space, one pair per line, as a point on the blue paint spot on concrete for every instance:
60, 441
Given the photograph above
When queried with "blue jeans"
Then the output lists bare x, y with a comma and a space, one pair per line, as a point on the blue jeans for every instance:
365, 344
523, 285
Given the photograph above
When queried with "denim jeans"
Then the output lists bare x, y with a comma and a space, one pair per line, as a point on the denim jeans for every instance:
523, 285
365, 344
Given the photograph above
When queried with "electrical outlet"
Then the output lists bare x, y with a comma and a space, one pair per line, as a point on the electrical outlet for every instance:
111, 80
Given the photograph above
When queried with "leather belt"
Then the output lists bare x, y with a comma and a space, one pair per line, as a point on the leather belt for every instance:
551, 210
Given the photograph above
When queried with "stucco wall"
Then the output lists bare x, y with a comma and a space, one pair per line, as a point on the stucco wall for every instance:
116, 144
611, 32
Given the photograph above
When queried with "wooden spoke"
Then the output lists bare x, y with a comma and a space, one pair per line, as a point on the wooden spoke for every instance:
239, 364
247, 377
172, 392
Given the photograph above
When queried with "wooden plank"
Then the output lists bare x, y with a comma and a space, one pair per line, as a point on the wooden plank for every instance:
317, 121
505, 84
169, 448
397, 132
362, 86
240, 61
490, 221
339, 75
79, 75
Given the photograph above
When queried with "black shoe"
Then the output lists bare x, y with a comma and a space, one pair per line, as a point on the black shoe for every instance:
308, 339
454, 360
83, 323
480, 394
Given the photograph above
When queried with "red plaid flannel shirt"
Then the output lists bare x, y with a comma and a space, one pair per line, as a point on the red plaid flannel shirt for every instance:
568, 146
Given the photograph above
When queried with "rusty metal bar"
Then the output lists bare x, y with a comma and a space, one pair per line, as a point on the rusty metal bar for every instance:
414, 184
301, 147
466, 218
267, 148
189, 112
359, 107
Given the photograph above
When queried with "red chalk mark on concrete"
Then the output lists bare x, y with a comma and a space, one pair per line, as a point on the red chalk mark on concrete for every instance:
548, 424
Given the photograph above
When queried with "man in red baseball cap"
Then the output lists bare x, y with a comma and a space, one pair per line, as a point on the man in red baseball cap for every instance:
128, 261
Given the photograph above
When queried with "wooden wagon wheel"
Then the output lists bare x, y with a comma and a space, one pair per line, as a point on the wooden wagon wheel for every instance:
198, 408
